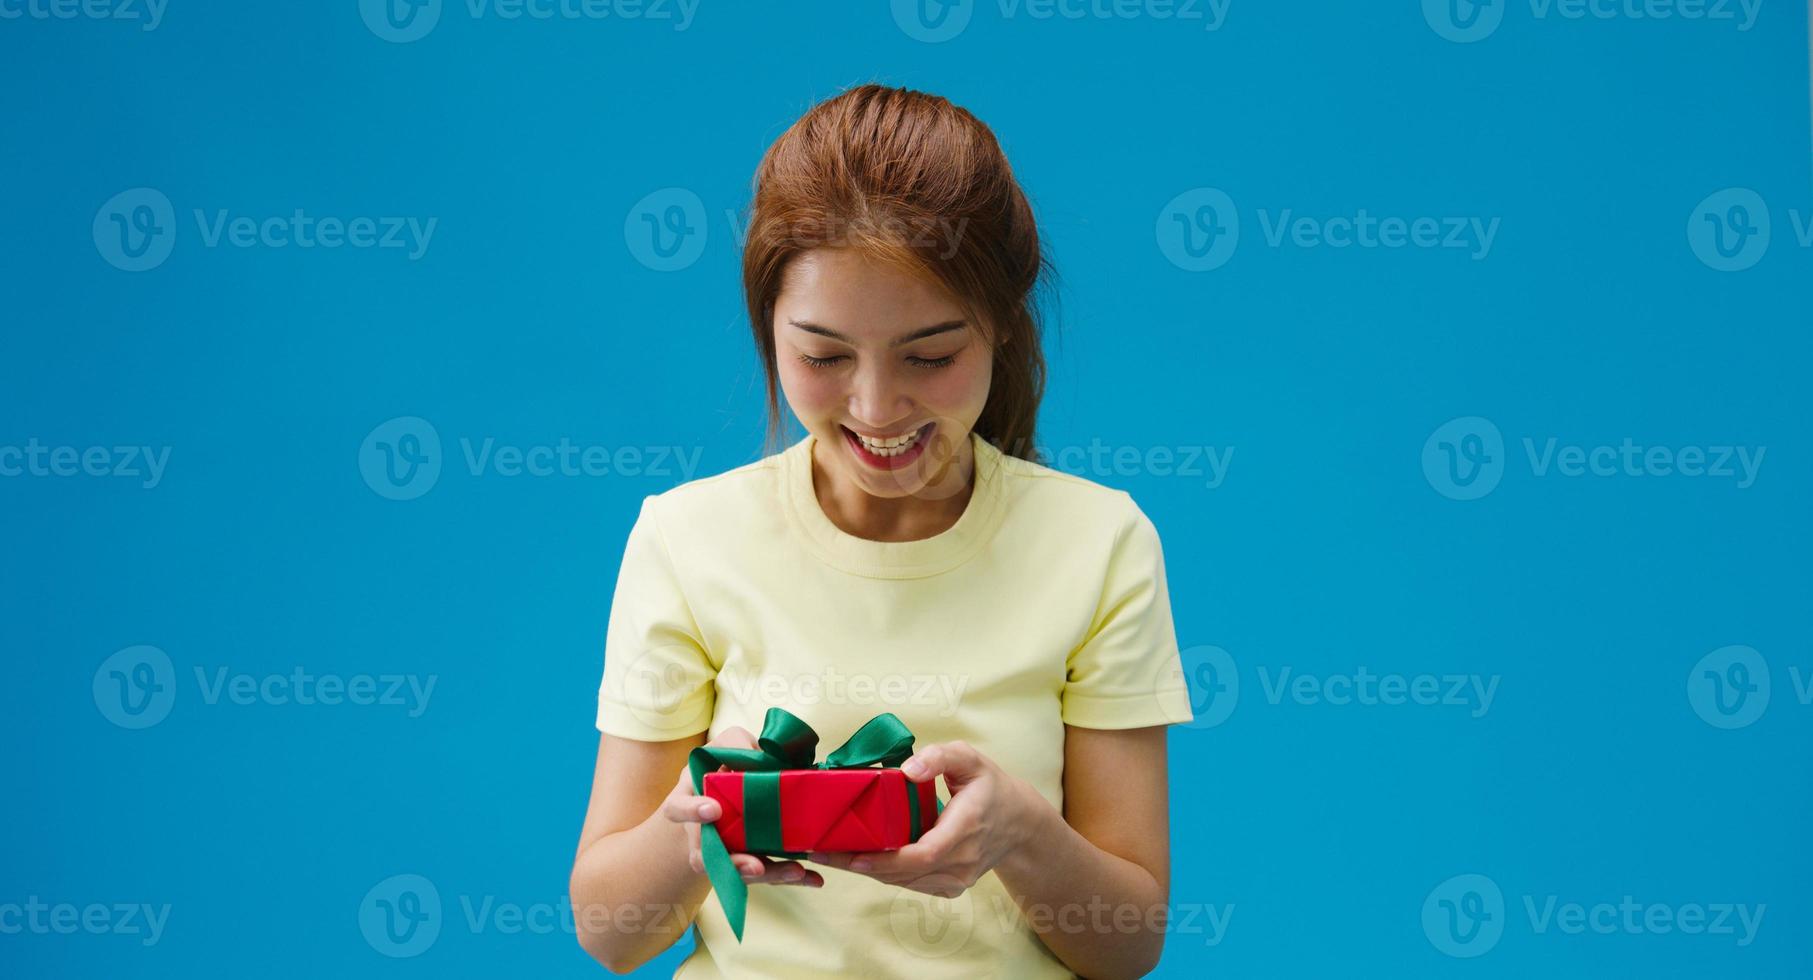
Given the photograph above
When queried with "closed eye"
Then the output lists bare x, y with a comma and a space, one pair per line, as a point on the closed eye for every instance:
923, 362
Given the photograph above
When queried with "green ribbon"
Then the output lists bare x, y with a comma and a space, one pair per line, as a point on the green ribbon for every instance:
786, 742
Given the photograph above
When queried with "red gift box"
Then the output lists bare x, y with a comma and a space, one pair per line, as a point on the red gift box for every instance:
831, 809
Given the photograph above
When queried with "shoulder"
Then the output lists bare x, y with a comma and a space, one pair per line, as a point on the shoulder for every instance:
709, 506
1079, 505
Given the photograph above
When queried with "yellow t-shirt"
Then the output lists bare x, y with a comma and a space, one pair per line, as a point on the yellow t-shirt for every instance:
1044, 605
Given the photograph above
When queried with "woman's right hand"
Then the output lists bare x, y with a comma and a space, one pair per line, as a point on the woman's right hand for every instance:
685, 807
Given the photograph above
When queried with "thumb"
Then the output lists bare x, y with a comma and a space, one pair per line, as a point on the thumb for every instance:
957, 762
736, 737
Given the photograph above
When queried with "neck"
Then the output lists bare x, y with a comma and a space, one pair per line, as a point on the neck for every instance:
925, 513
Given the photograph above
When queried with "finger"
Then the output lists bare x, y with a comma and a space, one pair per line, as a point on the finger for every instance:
695, 856
912, 861
840, 860
767, 871
955, 761
846, 861
691, 809
735, 737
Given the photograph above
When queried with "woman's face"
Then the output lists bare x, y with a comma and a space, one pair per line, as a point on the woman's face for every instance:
864, 349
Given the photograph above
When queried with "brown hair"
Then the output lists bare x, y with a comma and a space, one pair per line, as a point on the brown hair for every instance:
918, 182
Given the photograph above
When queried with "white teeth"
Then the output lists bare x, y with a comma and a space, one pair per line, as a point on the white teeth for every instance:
890, 447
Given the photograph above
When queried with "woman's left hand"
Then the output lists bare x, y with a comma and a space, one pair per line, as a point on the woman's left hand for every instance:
986, 820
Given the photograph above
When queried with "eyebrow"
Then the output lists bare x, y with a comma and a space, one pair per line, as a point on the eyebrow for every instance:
920, 334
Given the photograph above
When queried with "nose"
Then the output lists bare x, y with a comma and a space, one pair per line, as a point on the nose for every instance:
877, 399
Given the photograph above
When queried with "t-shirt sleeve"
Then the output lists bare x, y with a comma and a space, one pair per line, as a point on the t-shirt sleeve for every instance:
1127, 672
659, 679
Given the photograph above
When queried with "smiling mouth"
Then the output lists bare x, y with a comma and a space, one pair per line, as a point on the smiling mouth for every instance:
889, 453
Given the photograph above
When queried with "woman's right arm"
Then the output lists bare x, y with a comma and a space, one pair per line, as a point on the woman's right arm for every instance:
632, 889
638, 878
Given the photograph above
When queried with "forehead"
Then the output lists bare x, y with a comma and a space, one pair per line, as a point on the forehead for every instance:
858, 295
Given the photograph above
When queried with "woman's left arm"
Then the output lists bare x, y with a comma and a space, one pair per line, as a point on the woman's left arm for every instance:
1092, 881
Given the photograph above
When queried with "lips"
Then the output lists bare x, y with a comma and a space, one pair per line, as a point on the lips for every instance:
892, 452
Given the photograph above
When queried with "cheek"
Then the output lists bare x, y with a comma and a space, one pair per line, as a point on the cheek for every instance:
968, 383
807, 389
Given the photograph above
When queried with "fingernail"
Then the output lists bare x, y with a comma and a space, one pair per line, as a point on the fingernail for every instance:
860, 865
913, 767
816, 856
708, 810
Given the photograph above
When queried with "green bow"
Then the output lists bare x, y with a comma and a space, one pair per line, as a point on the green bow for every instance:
786, 742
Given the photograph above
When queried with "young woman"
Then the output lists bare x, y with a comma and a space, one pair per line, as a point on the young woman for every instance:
906, 555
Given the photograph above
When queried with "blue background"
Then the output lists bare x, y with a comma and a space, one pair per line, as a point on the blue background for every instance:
530, 317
